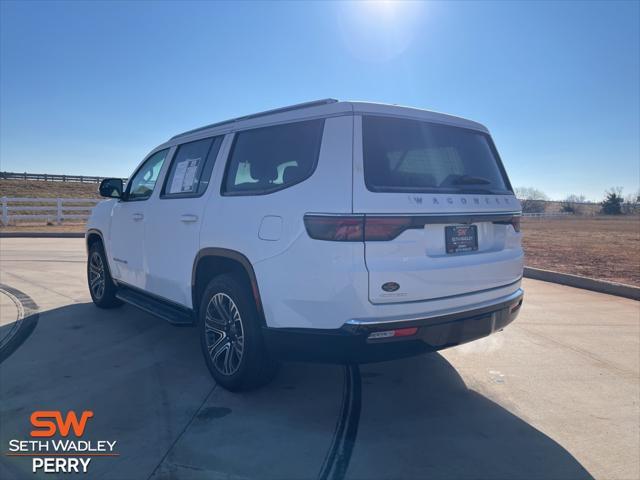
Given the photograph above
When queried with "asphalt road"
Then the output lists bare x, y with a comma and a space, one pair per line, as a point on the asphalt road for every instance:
556, 395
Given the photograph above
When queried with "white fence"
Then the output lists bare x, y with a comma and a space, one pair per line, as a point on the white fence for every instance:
547, 214
51, 177
50, 209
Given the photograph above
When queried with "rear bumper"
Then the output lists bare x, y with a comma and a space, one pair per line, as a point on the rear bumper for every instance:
352, 343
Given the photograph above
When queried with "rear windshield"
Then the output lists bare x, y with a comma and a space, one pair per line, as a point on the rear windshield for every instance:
404, 155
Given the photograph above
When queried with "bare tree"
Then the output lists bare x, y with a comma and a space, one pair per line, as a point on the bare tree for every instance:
531, 199
573, 204
632, 203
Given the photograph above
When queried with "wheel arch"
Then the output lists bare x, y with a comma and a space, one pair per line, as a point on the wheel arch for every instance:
92, 236
210, 262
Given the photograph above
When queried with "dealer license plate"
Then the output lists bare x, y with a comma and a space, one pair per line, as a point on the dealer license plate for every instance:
461, 238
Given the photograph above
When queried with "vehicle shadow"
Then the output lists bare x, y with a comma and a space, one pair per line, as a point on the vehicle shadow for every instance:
419, 420
150, 391
142, 378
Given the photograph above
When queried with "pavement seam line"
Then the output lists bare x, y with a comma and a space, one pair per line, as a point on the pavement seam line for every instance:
41, 286
328, 463
338, 456
580, 351
182, 432
39, 260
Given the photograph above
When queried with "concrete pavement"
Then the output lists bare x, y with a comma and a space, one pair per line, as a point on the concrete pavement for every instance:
556, 395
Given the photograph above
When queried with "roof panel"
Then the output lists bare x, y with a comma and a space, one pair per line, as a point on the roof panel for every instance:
324, 107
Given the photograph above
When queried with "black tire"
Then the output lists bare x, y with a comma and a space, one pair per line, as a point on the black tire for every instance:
231, 336
98, 274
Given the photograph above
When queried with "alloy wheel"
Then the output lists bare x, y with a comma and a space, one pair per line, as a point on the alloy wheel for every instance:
96, 275
224, 334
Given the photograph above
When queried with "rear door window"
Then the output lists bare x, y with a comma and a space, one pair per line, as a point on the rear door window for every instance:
191, 168
405, 155
268, 159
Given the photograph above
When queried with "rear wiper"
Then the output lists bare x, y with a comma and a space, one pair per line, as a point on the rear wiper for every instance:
469, 180
479, 191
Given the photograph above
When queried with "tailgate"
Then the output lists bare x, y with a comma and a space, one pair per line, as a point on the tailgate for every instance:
440, 216
416, 266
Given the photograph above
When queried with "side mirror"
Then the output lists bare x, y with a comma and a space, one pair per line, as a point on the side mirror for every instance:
111, 188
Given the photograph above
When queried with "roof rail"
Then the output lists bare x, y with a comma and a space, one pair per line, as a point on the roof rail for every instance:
297, 106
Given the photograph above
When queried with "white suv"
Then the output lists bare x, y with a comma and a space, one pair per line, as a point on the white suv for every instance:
329, 231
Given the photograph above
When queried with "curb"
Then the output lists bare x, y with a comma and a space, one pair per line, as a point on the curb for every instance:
586, 283
24, 325
41, 235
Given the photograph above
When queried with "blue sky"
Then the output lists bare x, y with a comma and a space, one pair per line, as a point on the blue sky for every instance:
89, 87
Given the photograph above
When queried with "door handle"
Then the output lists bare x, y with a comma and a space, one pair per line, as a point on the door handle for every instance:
137, 217
188, 218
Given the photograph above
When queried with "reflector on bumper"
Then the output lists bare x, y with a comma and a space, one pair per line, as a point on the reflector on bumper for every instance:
399, 332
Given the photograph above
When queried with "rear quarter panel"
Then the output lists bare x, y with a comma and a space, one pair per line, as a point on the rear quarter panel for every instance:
300, 280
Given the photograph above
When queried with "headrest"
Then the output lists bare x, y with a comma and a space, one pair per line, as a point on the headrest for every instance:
414, 179
290, 174
263, 171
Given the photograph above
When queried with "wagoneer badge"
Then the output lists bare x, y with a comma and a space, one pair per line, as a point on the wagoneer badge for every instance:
390, 286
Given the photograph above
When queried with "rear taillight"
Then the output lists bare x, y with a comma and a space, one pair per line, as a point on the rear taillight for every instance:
384, 228
353, 228
513, 221
335, 227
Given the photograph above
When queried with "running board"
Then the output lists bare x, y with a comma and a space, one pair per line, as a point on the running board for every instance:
173, 314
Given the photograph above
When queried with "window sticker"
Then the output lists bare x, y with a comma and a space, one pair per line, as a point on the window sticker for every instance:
184, 176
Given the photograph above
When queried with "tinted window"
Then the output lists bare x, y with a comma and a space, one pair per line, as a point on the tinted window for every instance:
267, 159
141, 185
402, 155
191, 168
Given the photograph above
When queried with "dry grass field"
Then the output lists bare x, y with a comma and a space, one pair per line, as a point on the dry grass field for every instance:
38, 189
604, 247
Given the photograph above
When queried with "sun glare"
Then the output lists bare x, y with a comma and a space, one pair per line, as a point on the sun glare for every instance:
381, 5
379, 30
